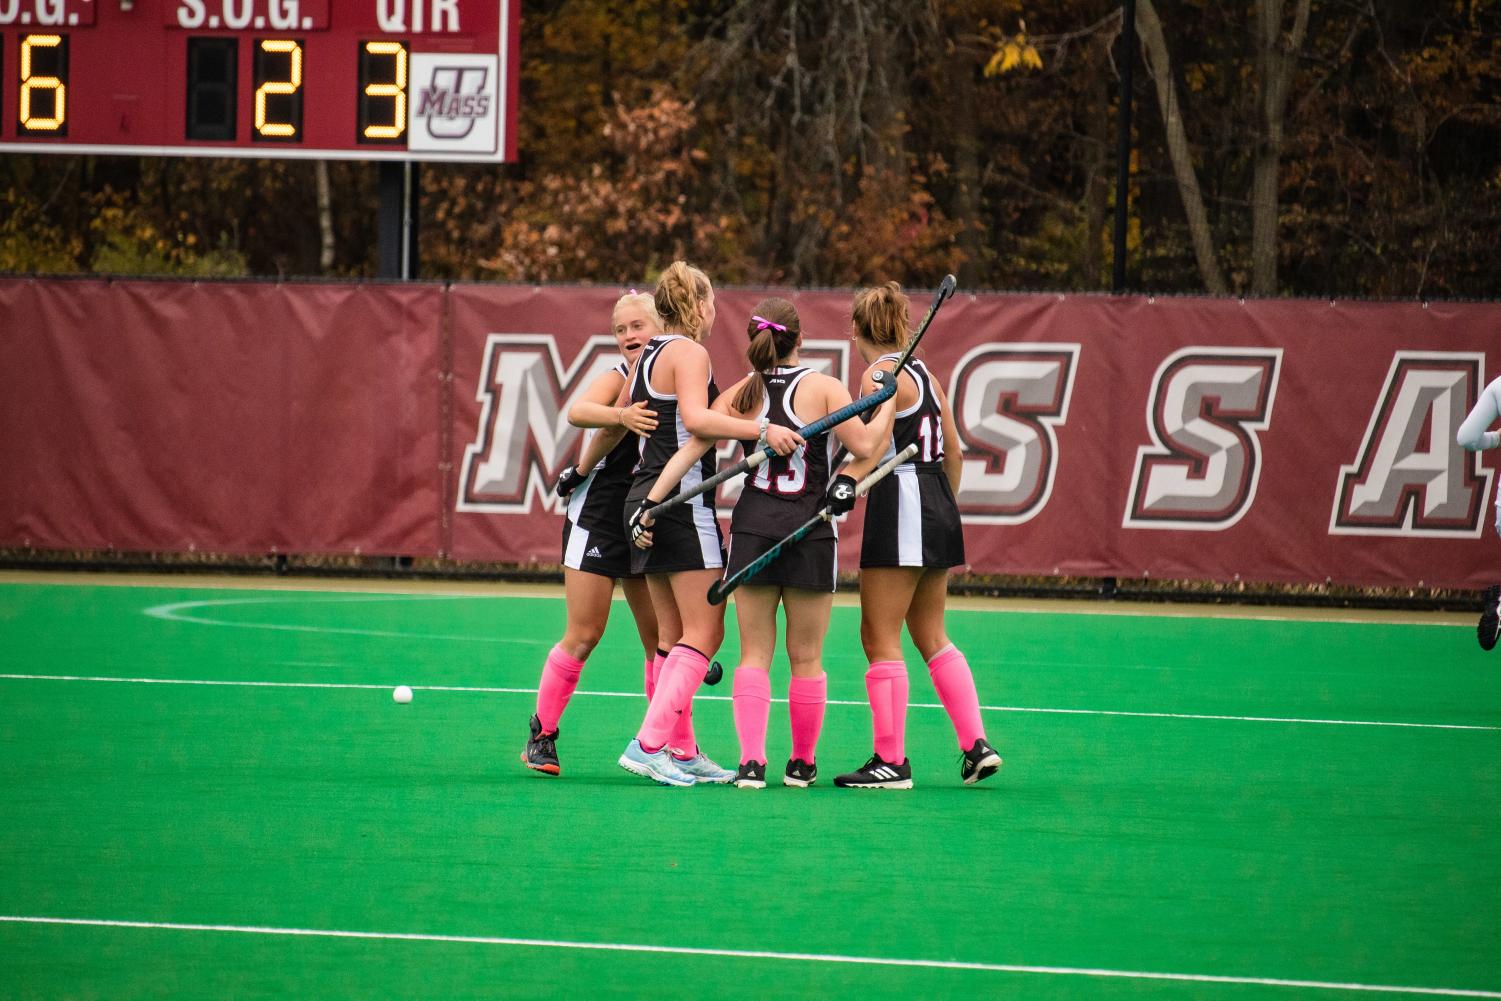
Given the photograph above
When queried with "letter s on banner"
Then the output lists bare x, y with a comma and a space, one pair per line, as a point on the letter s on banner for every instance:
1408, 482
1008, 400
1201, 471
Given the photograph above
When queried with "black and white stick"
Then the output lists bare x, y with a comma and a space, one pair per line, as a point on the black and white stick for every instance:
720, 589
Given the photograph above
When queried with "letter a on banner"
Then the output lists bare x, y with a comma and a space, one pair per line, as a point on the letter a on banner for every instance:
1411, 478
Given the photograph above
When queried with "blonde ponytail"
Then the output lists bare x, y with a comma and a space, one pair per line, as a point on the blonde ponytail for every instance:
680, 291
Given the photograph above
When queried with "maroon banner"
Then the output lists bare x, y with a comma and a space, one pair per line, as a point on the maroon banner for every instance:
234, 418
1264, 441
1271, 441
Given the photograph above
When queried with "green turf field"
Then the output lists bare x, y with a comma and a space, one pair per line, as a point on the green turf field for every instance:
1212, 799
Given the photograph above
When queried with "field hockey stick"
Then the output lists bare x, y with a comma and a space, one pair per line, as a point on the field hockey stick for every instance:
760, 455
885, 390
720, 589
945, 289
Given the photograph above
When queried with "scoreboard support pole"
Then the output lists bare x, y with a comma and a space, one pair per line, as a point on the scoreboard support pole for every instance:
400, 193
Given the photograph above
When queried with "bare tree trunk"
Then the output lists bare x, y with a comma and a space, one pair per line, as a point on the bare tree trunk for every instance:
1274, 69
325, 217
1154, 46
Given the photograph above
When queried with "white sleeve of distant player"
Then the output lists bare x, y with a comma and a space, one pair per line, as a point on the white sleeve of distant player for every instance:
1472, 433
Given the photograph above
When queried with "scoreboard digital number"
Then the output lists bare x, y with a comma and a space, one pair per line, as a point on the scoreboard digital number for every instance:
330, 79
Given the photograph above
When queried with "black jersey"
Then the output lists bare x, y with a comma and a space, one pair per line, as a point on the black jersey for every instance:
911, 517
593, 538
921, 423
687, 537
670, 435
785, 490
611, 476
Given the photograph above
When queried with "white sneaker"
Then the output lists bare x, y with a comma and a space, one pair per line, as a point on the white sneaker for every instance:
704, 770
659, 767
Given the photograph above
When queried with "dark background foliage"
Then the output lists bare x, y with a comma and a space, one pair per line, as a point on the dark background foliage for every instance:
818, 144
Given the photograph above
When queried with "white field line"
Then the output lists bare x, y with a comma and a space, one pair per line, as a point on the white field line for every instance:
493, 592
798, 957
703, 696
180, 611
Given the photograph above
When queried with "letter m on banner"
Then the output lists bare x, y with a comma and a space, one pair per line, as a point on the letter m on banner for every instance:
1411, 477
524, 438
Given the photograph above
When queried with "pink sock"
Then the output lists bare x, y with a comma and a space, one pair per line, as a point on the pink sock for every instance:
956, 690
560, 676
683, 742
752, 710
806, 698
653, 670
682, 672
886, 684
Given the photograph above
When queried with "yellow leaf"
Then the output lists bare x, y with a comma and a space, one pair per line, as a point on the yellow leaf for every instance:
993, 66
1031, 59
1010, 56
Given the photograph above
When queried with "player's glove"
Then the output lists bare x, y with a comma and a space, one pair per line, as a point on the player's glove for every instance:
635, 525
841, 495
569, 481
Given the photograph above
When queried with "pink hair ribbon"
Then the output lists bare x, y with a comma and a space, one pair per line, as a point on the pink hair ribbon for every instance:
762, 323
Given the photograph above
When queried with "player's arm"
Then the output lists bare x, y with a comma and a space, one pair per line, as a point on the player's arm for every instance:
953, 457
677, 467
1473, 435
862, 440
690, 372
606, 404
882, 419
601, 406
683, 460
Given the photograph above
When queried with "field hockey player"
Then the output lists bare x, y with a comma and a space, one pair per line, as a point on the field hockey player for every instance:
674, 378
912, 537
1474, 436
780, 495
596, 551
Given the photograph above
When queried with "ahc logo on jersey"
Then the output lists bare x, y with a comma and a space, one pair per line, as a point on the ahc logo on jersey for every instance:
454, 106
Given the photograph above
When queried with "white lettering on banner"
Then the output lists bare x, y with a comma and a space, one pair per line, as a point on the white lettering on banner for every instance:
1007, 402
1411, 477
1202, 468
524, 439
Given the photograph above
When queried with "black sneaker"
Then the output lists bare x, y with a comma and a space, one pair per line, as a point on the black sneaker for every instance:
800, 774
541, 754
751, 775
877, 774
1490, 619
979, 762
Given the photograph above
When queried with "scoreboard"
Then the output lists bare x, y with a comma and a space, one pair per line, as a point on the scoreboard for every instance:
328, 79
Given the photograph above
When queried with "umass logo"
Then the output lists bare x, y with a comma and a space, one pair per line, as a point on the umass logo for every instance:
454, 100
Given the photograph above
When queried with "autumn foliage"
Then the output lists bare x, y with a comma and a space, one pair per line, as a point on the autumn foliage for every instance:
829, 144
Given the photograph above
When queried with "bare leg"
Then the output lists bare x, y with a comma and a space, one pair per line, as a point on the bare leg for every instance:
885, 595
588, 597
807, 625
638, 597
925, 613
